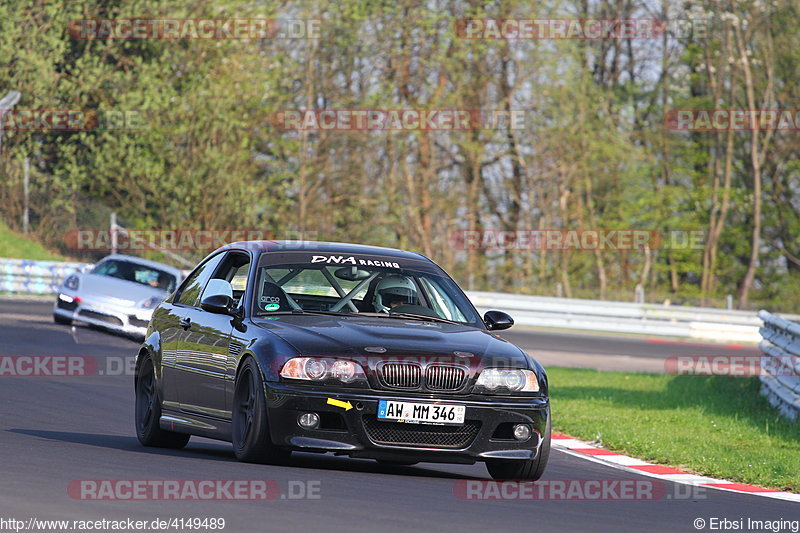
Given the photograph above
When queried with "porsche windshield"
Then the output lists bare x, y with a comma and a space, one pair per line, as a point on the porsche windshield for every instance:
381, 286
136, 273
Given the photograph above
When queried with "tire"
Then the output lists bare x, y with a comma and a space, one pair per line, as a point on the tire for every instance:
58, 319
148, 413
250, 428
529, 470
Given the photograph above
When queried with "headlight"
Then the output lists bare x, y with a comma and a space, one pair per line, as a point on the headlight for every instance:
71, 282
499, 380
346, 371
150, 303
68, 299
323, 369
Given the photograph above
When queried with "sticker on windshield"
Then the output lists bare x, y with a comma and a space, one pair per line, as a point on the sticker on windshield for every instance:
345, 260
272, 307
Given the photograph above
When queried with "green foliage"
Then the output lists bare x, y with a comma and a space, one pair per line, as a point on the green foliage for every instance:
593, 152
17, 246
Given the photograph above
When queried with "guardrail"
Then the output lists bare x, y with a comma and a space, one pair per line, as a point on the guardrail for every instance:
780, 377
34, 277
44, 277
624, 317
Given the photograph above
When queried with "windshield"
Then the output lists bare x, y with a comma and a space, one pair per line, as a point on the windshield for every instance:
136, 273
367, 286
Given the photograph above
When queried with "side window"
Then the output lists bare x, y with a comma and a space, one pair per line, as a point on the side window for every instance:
234, 269
190, 292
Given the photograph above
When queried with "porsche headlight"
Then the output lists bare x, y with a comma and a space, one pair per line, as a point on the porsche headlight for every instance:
71, 282
500, 380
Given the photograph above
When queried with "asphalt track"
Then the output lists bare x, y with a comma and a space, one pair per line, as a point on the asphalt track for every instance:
56, 430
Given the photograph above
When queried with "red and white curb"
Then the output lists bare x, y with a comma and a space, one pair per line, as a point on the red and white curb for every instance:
590, 452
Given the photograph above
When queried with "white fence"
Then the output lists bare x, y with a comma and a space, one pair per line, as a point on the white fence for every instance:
623, 317
780, 380
44, 277
34, 277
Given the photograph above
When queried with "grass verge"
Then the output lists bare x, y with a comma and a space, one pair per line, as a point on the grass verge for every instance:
17, 246
714, 426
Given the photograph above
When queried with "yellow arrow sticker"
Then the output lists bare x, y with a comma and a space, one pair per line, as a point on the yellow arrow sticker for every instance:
339, 403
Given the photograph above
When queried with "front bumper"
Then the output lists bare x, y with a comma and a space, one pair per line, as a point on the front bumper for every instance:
357, 432
124, 319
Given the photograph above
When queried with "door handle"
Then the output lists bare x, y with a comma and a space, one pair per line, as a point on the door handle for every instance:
186, 323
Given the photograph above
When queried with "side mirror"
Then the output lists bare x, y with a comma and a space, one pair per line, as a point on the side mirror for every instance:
218, 297
496, 320
221, 304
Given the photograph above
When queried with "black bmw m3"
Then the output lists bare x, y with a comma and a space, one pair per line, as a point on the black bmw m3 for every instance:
326, 347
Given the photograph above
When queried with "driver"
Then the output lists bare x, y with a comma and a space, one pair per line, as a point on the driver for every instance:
393, 291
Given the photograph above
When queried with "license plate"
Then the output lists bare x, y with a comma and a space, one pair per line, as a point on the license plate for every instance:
420, 413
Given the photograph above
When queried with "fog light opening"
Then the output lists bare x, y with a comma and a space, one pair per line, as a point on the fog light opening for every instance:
308, 421
522, 432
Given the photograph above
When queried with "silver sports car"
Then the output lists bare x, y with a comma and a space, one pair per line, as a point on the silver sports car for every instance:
119, 293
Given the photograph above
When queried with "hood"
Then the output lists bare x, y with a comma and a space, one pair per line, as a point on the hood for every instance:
376, 337
119, 291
